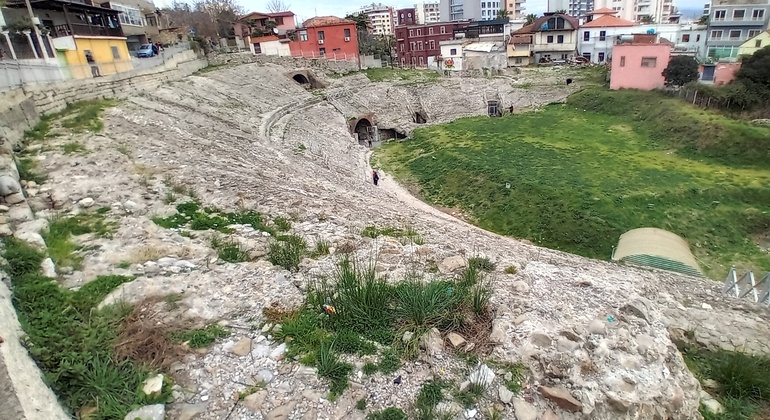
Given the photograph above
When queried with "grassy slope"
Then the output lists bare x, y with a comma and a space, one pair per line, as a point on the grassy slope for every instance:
584, 173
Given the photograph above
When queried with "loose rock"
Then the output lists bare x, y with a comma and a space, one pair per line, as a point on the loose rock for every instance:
562, 398
148, 412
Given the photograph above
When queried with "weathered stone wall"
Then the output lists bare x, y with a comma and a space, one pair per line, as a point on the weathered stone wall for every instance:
288, 62
24, 394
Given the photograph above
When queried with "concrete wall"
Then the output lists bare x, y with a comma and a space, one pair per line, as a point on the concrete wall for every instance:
340, 66
627, 71
23, 394
724, 73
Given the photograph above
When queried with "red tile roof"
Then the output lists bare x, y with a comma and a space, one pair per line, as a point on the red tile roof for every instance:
281, 14
607, 21
326, 21
521, 39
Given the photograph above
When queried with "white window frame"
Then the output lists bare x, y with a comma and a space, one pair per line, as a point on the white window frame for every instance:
761, 14
713, 37
129, 15
724, 12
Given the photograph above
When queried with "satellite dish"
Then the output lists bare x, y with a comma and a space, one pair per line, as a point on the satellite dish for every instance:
275, 31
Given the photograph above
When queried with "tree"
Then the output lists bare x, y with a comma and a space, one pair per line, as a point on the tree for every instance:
276, 6
362, 21
755, 68
680, 71
502, 14
531, 18
704, 20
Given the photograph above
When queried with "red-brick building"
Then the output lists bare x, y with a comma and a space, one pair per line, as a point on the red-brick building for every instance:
417, 45
406, 16
326, 36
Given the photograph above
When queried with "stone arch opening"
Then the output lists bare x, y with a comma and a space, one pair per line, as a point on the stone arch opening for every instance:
419, 117
389, 133
301, 79
364, 130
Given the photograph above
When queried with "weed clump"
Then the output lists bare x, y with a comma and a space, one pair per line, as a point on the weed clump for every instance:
28, 170
229, 250
390, 413
431, 393
71, 340
190, 214
287, 251
199, 338
481, 263
59, 236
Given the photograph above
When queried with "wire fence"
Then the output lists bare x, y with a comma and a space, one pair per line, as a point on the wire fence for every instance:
19, 73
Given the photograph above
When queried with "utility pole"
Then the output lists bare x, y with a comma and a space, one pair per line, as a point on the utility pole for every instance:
36, 29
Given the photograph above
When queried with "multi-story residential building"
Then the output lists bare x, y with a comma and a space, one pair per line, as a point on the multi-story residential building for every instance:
326, 37
557, 5
88, 39
256, 24
579, 8
418, 45
515, 8
456, 10
406, 16
755, 44
553, 37
139, 19
428, 12
380, 18
733, 22
648, 11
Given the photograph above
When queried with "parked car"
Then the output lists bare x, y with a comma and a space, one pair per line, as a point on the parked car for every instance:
146, 50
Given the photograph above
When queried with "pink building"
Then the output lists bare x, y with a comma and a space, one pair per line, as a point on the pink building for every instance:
639, 66
724, 73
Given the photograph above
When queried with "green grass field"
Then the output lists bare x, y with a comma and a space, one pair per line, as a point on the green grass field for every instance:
583, 173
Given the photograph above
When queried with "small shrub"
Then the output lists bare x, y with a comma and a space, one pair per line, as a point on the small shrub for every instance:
361, 404
199, 338
321, 248
287, 252
73, 147
511, 270
481, 263
390, 413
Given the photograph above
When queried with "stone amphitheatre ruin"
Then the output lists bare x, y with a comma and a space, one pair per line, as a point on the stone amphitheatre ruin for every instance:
599, 339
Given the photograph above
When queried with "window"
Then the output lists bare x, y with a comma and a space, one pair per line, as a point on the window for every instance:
601, 57
753, 33
602, 35
697, 38
735, 34
564, 56
151, 20
115, 53
128, 15
419, 32
411, 46
649, 62
586, 35
443, 30
560, 39
401, 47
419, 45
321, 35
758, 43
430, 31
347, 33
453, 51
322, 51
303, 35
758, 14
739, 14
483, 4
257, 48
403, 61
622, 61
686, 38
720, 14
411, 33
556, 23
279, 21
716, 34
518, 60
421, 60
432, 44
587, 56
550, 39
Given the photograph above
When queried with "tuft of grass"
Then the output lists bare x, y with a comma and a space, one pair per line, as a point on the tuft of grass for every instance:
282, 224
84, 116
124, 265
62, 249
229, 250
41, 130
428, 398
390, 413
470, 396
191, 215
361, 404
406, 235
71, 340
742, 385
199, 338
481, 263
28, 170
390, 362
511, 270
170, 197
124, 150
287, 251
73, 147
250, 390
683, 172
369, 368
330, 367
321, 248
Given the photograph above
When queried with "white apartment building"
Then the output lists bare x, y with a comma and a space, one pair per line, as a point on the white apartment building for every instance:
427, 12
454, 10
659, 10
381, 18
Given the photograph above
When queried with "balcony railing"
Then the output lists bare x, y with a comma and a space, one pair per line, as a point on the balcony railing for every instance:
81, 29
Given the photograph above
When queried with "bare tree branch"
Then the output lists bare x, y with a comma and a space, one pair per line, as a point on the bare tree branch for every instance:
275, 6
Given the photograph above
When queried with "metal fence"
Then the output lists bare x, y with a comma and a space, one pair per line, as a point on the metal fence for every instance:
18, 73
746, 286
333, 56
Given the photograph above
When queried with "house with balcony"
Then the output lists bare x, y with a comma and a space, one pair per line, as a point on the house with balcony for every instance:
87, 39
732, 23
554, 37
139, 19
262, 24
327, 37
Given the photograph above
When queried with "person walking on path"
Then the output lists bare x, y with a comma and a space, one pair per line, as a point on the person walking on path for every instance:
375, 177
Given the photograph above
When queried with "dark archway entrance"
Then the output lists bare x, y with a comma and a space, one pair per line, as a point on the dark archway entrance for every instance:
388, 133
365, 131
419, 117
301, 79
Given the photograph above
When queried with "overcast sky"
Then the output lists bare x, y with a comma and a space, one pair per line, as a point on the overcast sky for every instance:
306, 9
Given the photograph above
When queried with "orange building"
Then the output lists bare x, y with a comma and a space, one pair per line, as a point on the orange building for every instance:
326, 37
